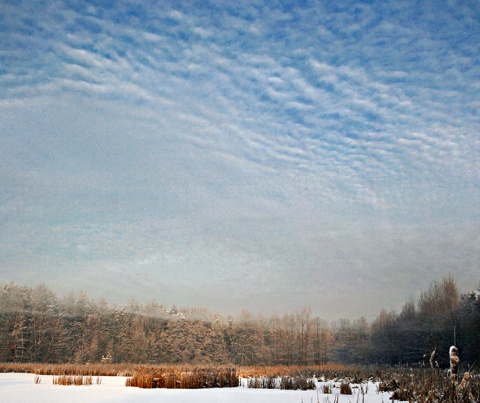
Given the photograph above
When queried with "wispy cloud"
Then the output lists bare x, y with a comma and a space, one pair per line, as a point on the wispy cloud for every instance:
273, 131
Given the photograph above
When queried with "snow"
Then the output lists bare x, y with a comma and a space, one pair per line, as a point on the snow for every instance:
16, 387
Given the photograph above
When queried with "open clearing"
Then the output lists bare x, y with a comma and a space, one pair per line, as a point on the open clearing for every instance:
15, 387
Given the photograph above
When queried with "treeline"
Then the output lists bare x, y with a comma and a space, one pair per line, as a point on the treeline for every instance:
441, 317
38, 326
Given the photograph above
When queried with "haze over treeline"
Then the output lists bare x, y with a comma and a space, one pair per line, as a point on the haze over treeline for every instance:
38, 326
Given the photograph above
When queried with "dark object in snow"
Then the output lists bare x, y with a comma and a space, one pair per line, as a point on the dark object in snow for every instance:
401, 395
345, 388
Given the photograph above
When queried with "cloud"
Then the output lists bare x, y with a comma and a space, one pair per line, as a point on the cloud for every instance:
264, 139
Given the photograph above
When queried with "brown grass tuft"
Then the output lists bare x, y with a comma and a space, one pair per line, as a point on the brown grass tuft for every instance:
67, 380
345, 388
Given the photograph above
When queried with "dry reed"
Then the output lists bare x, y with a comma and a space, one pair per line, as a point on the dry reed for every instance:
98, 369
184, 378
67, 380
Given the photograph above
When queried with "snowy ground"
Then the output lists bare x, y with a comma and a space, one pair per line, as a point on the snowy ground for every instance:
22, 388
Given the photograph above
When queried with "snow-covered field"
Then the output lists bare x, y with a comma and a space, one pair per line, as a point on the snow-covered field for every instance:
22, 388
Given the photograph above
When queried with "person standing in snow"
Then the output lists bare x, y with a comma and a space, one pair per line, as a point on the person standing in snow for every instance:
454, 360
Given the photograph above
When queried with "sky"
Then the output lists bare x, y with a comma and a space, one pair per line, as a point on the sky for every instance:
259, 155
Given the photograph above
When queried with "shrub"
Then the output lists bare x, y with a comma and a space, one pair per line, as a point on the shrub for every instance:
345, 388
297, 383
262, 382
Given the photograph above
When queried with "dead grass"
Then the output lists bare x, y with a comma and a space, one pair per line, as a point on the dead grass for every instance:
429, 386
67, 380
289, 370
345, 388
298, 382
126, 369
184, 378
290, 377
262, 382
420, 385
69, 369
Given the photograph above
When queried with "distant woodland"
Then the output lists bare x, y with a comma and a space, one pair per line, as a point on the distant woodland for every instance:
38, 326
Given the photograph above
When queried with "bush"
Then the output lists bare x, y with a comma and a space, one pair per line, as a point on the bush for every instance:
297, 383
345, 388
262, 382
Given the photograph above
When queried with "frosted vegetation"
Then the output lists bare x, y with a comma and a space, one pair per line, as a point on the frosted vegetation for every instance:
38, 326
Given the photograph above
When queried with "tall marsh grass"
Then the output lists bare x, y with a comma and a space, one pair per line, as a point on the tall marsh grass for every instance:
98, 369
184, 378
78, 380
424, 386
420, 385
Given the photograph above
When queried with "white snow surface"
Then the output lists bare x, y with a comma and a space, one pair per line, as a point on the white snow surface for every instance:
22, 388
